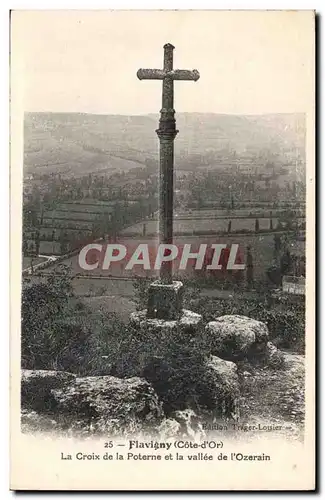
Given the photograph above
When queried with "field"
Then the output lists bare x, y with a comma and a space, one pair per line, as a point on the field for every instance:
80, 216
247, 211
75, 218
86, 211
192, 226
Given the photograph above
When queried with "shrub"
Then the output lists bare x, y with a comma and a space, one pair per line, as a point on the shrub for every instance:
56, 327
172, 362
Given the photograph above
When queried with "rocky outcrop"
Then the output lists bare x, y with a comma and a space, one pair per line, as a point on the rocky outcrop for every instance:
236, 337
109, 404
37, 388
61, 401
188, 385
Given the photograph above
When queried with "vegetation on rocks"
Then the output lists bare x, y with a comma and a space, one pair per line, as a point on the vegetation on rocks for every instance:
122, 375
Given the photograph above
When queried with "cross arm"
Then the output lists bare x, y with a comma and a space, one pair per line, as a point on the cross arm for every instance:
185, 74
160, 74
151, 74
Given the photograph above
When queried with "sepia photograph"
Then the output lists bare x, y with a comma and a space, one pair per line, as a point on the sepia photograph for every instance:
162, 214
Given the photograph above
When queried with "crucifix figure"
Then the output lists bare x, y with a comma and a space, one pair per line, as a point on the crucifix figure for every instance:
167, 133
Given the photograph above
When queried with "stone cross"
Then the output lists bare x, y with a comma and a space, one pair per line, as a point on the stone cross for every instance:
167, 133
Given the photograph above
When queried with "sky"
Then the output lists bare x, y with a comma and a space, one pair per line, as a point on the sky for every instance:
86, 61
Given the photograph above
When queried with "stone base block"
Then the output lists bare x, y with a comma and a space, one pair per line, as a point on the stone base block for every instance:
188, 323
165, 300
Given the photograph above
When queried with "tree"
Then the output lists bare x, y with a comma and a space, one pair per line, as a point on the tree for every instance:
249, 267
288, 219
285, 263
277, 243
37, 242
63, 242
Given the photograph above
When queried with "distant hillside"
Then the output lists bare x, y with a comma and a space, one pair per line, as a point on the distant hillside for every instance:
80, 143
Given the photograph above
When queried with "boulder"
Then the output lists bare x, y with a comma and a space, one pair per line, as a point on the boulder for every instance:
189, 424
236, 337
274, 358
111, 405
37, 388
182, 424
225, 381
169, 428
225, 371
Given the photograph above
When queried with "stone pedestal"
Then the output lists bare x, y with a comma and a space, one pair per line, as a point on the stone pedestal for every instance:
169, 352
165, 300
186, 325
167, 331
165, 311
